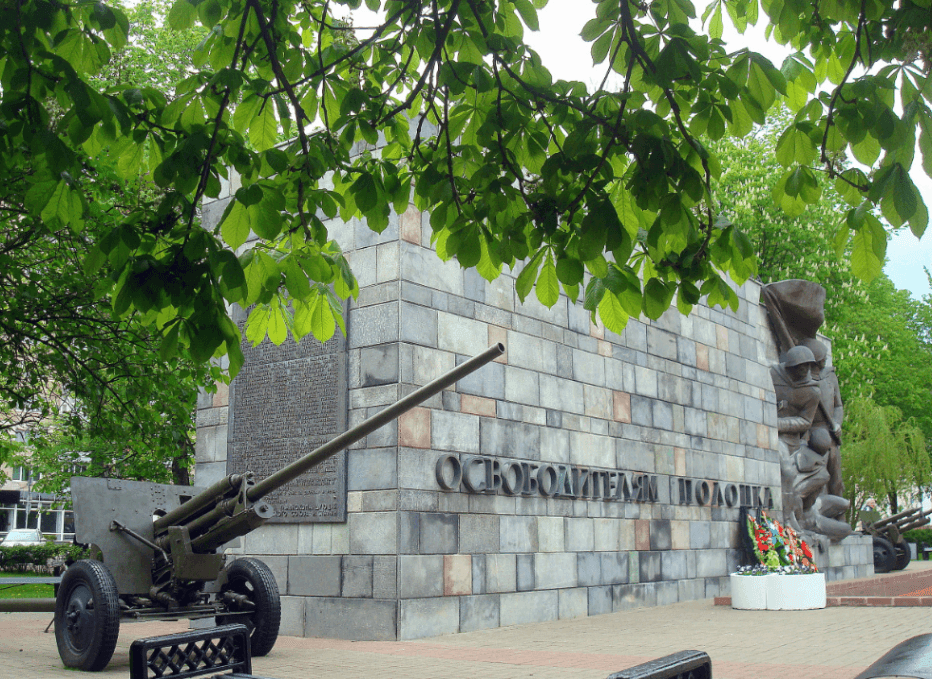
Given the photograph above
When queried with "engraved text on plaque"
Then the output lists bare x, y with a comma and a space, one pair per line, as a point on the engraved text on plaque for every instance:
285, 402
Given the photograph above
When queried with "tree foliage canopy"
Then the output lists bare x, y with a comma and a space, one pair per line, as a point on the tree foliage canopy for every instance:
516, 168
88, 389
885, 457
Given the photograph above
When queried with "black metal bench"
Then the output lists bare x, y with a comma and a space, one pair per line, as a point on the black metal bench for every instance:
910, 658
922, 551
682, 665
219, 651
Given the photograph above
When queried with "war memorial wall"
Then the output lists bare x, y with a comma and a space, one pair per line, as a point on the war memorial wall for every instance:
583, 472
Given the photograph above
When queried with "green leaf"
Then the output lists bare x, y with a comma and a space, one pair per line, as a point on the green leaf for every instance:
245, 112
570, 271
365, 192
594, 28
169, 345
548, 286
236, 225
601, 47
278, 326
594, 293
528, 276
716, 27
760, 87
63, 207
795, 146
528, 14
264, 219
486, 267
865, 264
263, 130
867, 151
131, 160
612, 313
841, 238
182, 15
657, 298
323, 324
295, 279
257, 324
597, 266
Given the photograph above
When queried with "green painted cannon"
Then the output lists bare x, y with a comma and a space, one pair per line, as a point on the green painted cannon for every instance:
156, 549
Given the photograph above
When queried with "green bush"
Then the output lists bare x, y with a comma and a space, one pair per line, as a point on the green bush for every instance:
38, 557
919, 535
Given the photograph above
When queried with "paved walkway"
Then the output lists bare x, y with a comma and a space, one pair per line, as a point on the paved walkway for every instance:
834, 643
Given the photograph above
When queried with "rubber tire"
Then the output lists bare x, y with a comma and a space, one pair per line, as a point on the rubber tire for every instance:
87, 641
253, 578
884, 555
903, 555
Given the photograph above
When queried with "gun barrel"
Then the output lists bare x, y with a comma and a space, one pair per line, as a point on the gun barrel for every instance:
202, 500
351, 436
918, 523
896, 517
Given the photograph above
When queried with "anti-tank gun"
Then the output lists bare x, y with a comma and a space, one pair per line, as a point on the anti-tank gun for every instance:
156, 548
891, 551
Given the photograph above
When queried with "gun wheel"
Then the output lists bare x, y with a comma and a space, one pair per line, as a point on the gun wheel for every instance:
87, 616
884, 555
253, 578
902, 554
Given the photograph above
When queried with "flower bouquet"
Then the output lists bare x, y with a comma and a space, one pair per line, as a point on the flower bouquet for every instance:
778, 548
780, 553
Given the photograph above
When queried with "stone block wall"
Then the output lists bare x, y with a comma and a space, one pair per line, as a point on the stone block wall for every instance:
678, 399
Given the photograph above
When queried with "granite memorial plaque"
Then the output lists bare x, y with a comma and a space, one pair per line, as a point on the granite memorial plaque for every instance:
286, 401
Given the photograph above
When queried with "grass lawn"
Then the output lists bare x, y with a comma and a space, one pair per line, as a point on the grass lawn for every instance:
25, 591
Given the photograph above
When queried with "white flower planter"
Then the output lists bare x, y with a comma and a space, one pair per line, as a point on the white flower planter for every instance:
749, 592
795, 592
778, 592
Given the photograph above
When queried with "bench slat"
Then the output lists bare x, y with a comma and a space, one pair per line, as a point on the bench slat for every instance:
681, 665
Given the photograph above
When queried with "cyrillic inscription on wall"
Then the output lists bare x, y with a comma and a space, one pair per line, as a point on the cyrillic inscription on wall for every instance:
286, 401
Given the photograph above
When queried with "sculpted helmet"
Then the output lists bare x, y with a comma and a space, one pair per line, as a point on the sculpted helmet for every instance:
798, 355
816, 347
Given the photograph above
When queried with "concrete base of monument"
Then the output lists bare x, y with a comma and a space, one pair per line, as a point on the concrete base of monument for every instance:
406, 619
850, 558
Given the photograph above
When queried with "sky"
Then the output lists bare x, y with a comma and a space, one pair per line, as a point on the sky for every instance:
568, 58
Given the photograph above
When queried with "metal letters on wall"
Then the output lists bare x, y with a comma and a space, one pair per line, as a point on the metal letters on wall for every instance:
286, 401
